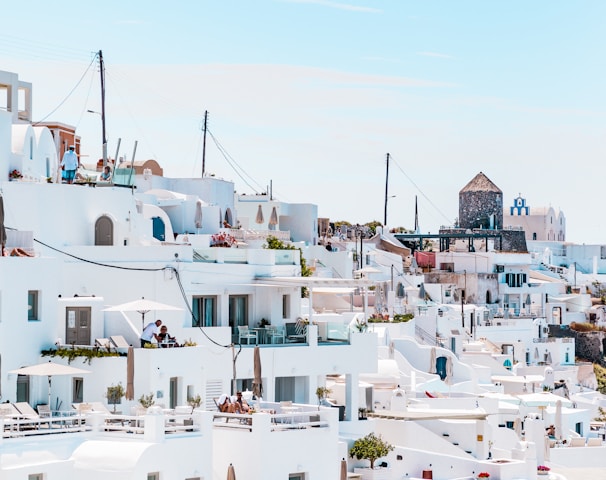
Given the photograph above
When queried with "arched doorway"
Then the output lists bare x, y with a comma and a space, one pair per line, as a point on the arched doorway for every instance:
104, 231
159, 229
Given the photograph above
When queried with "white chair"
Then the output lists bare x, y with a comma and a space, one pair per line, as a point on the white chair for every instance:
245, 334
276, 335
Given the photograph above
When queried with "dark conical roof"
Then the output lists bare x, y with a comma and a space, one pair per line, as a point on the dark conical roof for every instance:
480, 183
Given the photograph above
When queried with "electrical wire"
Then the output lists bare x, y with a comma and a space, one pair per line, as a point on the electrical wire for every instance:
230, 160
140, 269
68, 95
419, 190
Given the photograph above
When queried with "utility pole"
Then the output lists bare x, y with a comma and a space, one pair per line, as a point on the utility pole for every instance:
204, 143
104, 137
386, 191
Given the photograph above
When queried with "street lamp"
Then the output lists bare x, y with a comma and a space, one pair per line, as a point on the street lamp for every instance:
385, 219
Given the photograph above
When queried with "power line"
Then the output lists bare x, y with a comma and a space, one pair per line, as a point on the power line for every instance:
419, 190
234, 165
68, 95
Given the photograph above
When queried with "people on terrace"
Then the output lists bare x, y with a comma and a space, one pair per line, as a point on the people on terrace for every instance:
164, 337
69, 164
241, 404
226, 406
150, 332
106, 175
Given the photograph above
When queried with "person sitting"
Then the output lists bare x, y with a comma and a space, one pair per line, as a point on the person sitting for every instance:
106, 174
241, 404
225, 405
164, 337
550, 431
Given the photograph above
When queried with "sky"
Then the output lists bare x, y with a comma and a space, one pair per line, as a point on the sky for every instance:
307, 97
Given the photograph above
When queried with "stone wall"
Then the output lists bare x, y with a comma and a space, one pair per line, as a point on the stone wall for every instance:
475, 209
588, 345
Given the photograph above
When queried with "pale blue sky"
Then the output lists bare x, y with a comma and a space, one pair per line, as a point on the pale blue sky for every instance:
312, 94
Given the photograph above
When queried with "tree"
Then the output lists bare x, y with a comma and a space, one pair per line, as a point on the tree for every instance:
370, 448
114, 394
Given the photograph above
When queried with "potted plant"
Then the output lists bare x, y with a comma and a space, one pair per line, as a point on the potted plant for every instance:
543, 470
147, 401
371, 447
194, 402
114, 395
483, 475
322, 393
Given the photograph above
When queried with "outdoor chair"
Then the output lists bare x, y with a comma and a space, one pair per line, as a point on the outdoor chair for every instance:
44, 411
245, 334
276, 335
119, 341
293, 334
103, 343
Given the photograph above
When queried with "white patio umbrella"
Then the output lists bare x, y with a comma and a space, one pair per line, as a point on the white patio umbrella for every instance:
49, 369
558, 420
142, 306
432, 360
198, 216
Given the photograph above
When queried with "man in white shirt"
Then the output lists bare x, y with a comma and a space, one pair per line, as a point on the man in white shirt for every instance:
149, 332
70, 164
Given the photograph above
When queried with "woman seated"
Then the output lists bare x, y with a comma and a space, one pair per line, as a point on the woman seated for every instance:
165, 338
225, 405
106, 175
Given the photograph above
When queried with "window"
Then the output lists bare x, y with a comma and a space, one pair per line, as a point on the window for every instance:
153, 476
238, 310
296, 476
515, 279
77, 390
205, 311
285, 306
32, 305
22, 388
35, 476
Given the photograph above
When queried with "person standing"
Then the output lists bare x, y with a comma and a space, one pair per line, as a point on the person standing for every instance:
69, 164
149, 332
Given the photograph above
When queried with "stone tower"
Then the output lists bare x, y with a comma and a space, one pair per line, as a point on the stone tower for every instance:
481, 204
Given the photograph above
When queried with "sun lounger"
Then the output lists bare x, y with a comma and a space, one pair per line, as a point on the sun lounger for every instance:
103, 342
119, 341
577, 442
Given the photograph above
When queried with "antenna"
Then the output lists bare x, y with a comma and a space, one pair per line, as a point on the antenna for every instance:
386, 191
204, 142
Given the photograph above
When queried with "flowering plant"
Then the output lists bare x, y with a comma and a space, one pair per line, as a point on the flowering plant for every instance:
543, 468
361, 326
15, 174
222, 239
484, 475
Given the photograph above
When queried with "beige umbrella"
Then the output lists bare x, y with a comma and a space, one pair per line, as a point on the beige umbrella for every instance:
142, 306
231, 472
198, 216
343, 470
449, 370
49, 369
130, 374
260, 218
273, 218
2, 229
257, 386
432, 360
